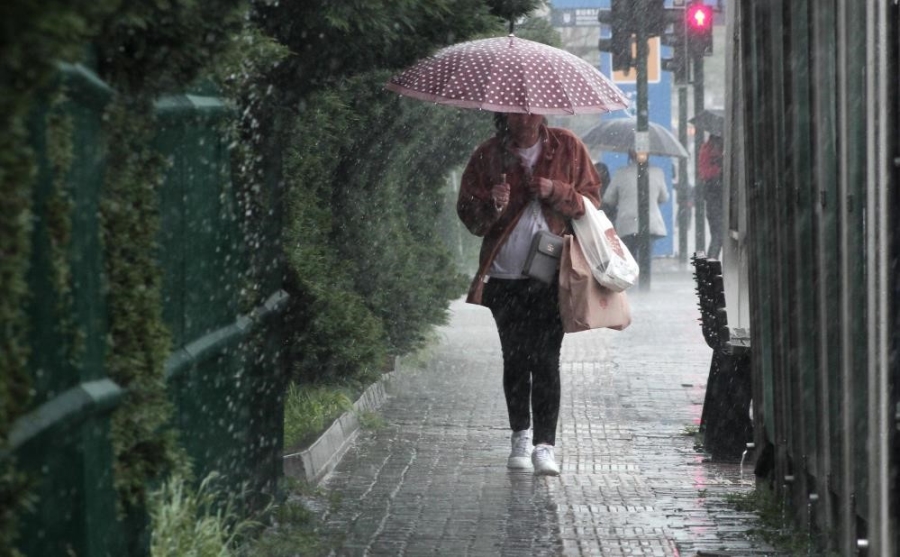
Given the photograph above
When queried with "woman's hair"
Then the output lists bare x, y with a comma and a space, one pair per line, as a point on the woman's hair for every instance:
501, 123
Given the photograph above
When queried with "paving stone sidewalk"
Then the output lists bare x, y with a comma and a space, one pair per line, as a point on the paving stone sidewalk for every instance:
433, 480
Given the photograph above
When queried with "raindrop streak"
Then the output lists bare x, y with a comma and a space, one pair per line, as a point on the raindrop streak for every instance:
813, 497
750, 447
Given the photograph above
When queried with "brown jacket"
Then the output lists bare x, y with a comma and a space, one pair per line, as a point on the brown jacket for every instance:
564, 160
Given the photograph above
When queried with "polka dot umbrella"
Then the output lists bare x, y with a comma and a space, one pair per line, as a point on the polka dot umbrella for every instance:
509, 74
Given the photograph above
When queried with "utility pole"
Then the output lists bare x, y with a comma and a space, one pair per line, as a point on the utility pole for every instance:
684, 186
632, 24
699, 23
699, 190
641, 147
691, 40
676, 38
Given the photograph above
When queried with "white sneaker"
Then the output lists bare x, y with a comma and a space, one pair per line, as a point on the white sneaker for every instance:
543, 461
519, 456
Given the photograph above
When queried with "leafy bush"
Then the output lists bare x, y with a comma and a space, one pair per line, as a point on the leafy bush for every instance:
365, 172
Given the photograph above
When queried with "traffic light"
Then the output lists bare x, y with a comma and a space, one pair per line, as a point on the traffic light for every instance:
678, 62
655, 16
674, 35
699, 25
620, 20
624, 18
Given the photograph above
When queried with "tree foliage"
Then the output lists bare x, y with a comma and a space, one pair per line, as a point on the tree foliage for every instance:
365, 171
513, 10
331, 39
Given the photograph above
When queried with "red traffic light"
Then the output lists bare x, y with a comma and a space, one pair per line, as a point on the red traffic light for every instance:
699, 17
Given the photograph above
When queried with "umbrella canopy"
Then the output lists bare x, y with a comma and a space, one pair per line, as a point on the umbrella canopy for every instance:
710, 120
617, 134
509, 74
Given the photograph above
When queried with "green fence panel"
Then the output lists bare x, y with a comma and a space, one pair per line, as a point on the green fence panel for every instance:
217, 371
63, 442
228, 388
201, 255
226, 373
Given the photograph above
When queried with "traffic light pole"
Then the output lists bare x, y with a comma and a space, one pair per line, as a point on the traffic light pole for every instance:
699, 193
641, 136
684, 188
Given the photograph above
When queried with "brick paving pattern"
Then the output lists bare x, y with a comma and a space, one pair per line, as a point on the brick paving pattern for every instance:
433, 480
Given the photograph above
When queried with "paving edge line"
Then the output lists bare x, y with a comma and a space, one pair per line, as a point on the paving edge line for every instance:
315, 462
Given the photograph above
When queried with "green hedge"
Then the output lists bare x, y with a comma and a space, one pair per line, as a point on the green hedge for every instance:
141, 49
33, 37
365, 175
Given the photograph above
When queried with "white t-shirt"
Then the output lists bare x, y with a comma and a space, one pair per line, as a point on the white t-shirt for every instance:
512, 255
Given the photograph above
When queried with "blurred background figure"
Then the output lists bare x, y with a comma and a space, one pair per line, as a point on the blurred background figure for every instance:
603, 173
622, 196
709, 171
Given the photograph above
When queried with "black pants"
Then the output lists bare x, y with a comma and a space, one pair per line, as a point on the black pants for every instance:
527, 315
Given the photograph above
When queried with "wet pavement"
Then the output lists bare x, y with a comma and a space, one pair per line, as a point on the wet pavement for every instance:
433, 479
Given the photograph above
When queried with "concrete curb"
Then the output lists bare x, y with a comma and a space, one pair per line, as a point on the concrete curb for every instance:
315, 462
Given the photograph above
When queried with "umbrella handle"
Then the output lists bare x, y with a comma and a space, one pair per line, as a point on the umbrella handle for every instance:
503, 178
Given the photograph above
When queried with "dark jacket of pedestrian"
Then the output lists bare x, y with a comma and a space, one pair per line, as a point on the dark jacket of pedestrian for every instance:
709, 170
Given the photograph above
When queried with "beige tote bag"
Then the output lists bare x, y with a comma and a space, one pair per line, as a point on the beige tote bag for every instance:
583, 303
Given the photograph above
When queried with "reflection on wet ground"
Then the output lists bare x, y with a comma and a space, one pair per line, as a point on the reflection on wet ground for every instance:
433, 480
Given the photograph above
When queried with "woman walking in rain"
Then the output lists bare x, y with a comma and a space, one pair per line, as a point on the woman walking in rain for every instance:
526, 178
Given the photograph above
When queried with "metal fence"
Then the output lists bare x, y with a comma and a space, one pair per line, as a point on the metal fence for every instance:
813, 140
225, 375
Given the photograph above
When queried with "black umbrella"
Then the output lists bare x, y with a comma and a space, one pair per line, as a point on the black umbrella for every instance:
711, 120
617, 134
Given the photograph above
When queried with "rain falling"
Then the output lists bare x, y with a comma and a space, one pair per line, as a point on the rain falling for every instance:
449, 277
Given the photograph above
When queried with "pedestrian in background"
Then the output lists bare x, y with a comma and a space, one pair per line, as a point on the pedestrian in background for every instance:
603, 174
526, 178
709, 169
623, 196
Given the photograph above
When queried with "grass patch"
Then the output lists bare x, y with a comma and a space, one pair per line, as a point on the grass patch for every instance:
201, 522
776, 528
310, 409
290, 531
291, 527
